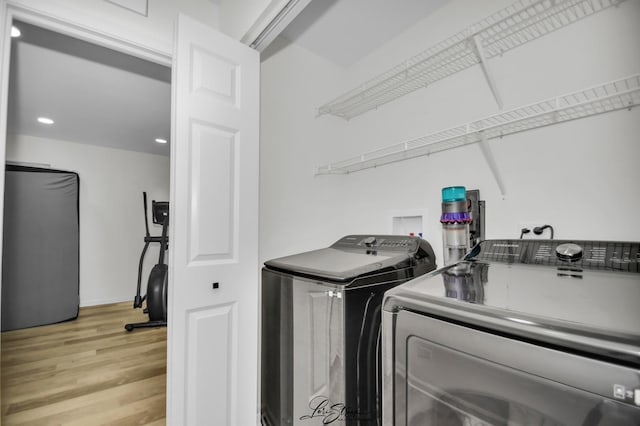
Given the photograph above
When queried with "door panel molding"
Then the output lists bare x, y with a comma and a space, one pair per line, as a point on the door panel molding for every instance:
221, 321
213, 211
215, 76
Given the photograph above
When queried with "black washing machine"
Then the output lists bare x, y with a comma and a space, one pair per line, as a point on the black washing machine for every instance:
320, 343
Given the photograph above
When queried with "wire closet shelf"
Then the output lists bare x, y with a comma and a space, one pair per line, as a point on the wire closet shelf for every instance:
607, 97
507, 29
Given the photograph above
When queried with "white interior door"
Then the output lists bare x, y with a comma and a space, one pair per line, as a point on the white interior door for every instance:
213, 288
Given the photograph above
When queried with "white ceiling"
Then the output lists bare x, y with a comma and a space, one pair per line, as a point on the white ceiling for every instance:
345, 31
95, 95
101, 97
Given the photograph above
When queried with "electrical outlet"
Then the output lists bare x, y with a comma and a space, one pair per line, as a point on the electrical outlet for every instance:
546, 234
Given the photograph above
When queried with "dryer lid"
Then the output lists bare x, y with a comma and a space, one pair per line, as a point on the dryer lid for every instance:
587, 305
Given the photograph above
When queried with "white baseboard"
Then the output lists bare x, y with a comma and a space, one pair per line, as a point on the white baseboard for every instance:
94, 302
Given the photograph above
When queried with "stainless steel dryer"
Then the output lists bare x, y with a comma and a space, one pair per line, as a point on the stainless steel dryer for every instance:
321, 328
522, 332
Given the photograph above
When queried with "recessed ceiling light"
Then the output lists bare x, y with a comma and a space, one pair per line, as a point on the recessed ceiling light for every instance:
45, 120
159, 140
15, 32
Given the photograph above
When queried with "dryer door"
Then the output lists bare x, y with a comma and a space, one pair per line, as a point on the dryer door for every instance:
447, 374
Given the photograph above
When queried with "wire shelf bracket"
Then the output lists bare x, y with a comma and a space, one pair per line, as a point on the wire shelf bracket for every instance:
607, 97
511, 27
491, 162
486, 70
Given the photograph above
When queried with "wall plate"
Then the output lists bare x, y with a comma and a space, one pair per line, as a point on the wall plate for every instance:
407, 222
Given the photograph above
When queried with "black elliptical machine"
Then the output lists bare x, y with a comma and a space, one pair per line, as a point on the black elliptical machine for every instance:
156, 296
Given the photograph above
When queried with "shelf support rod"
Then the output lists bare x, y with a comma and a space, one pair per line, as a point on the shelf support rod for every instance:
491, 161
486, 70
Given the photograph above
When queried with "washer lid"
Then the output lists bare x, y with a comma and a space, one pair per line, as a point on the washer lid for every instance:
338, 264
356, 256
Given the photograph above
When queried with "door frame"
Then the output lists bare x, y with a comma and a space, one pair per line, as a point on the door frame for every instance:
9, 11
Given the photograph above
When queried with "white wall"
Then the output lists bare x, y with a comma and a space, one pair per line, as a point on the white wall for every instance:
111, 215
579, 176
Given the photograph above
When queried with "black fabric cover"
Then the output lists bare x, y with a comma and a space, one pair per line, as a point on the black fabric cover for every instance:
40, 255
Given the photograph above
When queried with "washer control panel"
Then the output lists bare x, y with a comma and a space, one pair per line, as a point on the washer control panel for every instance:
398, 243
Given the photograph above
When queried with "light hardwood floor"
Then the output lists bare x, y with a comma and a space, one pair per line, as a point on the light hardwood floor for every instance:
89, 371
